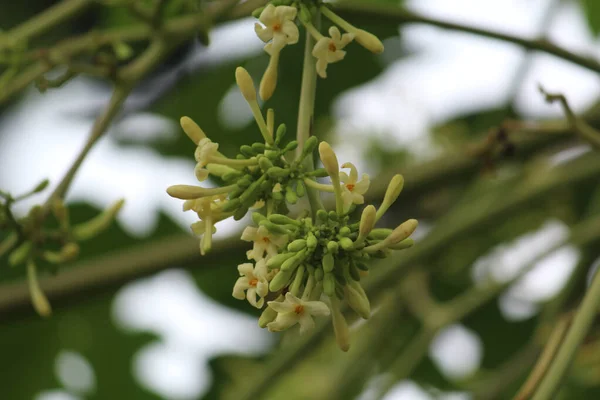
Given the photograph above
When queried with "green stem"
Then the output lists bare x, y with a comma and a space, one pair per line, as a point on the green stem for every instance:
582, 323
306, 114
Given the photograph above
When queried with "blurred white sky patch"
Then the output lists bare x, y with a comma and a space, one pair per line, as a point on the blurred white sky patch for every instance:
56, 394
75, 372
456, 351
542, 282
193, 328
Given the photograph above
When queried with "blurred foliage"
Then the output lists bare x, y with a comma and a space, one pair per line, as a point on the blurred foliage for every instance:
29, 345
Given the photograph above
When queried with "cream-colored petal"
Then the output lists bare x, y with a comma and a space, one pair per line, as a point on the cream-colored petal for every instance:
238, 289
346, 38
353, 172
251, 297
291, 31
246, 269
262, 288
306, 322
344, 178
198, 227
282, 306
363, 185
321, 48
289, 297
357, 198
335, 56
282, 322
316, 308
249, 234
284, 13
264, 34
335, 34
322, 68
268, 16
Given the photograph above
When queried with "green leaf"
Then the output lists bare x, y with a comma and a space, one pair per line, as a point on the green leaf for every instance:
592, 13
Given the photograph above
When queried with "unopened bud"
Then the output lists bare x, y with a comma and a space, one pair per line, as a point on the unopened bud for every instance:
192, 130
330, 162
297, 245
268, 83
245, 83
93, 227
367, 221
340, 326
357, 299
391, 194
268, 315
188, 192
328, 262
280, 280
368, 41
38, 298
403, 231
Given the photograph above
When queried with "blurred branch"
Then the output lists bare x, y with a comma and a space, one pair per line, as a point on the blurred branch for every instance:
399, 15
43, 21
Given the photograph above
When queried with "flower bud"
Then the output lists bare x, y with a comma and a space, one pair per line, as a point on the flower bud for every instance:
368, 41
298, 280
340, 326
192, 130
264, 163
222, 170
311, 241
280, 133
297, 245
188, 192
245, 83
329, 284
20, 254
278, 172
328, 262
276, 261
391, 194
333, 247
403, 231
330, 162
319, 274
292, 263
357, 300
268, 83
346, 243
280, 280
404, 244
268, 315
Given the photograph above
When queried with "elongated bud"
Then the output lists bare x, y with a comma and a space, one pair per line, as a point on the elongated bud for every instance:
280, 280
380, 233
93, 227
278, 172
38, 298
404, 244
274, 228
256, 14
67, 253
61, 213
192, 130
329, 159
264, 163
268, 83
319, 274
391, 194
221, 170
357, 300
297, 245
188, 192
329, 284
340, 326
280, 133
268, 315
245, 83
311, 241
367, 222
403, 231
41, 186
346, 243
276, 261
368, 41
292, 263
333, 247
298, 280
309, 146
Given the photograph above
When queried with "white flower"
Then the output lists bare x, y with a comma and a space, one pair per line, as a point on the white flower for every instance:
205, 151
329, 49
279, 27
253, 280
353, 191
264, 241
294, 310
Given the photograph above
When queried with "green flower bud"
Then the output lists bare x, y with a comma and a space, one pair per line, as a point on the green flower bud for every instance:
278, 259
264, 163
240, 213
318, 173
305, 15
333, 216
41, 186
256, 14
291, 263
38, 299
273, 228
333, 247
281, 219
297, 245
257, 217
244, 182
339, 292
379, 233
328, 262
345, 231
346, 243
246, 85
319, 274
311, 241
277, 172
353, 271
298, 280
329, 284
247, 151
361, 266
258, 147
231, 205
322, 216
228, 176
223, 171
300, 188
280, 133
290, 196
280, 280
290, 146
252, 191
404, 244
309, 146
8, 243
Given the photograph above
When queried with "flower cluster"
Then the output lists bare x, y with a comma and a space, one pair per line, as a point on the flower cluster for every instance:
308, 263
278, 28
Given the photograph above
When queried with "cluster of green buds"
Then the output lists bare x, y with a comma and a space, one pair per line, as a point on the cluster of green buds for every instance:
280, 20
35, 240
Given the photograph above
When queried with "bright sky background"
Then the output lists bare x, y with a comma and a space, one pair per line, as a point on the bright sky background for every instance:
450, 73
